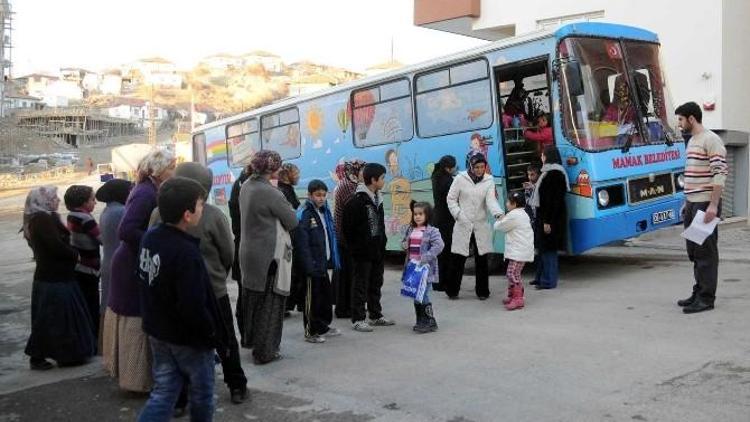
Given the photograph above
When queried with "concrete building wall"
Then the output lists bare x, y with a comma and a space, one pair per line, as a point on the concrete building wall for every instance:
691, 37
736, 65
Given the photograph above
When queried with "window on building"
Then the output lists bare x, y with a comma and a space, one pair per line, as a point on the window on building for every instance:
383, 114
242, 142
454, 100
280, 132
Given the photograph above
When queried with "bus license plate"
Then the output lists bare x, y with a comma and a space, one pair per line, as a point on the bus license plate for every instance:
662, 216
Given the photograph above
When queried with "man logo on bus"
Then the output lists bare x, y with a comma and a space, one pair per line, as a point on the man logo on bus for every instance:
652, 191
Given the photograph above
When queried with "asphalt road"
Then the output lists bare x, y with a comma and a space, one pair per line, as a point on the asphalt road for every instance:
608, 345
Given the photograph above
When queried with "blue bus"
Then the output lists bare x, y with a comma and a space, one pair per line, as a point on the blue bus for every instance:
600, 85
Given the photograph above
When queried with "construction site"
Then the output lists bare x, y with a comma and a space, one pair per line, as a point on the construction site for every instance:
76, 126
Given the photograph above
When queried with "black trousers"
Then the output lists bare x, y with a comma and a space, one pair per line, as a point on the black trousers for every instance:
445, 259
366, 284
89, 285
318, 310
237, 276
342, 282
296, 297
458, 262
705, 257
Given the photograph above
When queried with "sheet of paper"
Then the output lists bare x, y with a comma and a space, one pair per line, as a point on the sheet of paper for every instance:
698, 231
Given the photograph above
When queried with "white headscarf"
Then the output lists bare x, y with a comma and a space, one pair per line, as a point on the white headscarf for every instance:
42, 199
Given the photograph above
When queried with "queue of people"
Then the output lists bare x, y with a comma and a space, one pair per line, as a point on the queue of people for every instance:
164, 315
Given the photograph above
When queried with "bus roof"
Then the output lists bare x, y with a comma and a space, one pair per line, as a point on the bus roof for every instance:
582, 28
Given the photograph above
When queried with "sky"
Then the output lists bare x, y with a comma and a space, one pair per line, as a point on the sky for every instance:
107, 33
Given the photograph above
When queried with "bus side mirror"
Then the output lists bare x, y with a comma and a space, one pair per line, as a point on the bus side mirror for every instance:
572, 76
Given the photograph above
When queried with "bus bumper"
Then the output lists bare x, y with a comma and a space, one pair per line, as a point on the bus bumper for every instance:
589, 233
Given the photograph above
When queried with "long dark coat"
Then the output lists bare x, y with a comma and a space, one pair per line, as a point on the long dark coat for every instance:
442, 218
552, 211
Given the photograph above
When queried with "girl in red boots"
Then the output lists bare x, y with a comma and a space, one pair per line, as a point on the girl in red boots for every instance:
519, 247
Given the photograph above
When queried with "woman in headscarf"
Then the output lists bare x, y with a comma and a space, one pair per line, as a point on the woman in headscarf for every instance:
348, 176
114, 193
60, 323
471, 201
551, 216
265, 257
288, 179
289, 175
442, 178
126, 353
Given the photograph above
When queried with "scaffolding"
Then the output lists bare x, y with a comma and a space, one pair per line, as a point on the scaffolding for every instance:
77, 126
6, 28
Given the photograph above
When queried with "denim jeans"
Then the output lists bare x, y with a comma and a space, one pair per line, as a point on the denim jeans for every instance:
171, 365
547, 269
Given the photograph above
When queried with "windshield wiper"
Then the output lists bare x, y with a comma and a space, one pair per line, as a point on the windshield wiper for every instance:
636, 103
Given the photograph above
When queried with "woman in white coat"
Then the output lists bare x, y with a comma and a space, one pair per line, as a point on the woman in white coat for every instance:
471, 201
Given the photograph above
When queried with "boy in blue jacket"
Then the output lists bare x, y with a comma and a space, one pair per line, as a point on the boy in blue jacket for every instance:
316, 252
180, 313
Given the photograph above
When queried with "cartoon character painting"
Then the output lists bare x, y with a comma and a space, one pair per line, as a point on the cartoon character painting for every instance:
400, 189
478, 146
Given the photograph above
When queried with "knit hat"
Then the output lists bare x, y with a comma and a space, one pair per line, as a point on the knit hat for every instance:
196, 172
114, 190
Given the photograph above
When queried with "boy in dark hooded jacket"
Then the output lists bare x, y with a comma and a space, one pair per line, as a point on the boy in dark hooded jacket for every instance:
217, 249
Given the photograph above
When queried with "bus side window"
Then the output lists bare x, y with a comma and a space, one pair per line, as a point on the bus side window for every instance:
383, 114
242, 142
454, 100
199, 148
281, 132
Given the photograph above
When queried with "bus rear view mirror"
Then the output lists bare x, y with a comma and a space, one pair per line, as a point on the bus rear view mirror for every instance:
573, 78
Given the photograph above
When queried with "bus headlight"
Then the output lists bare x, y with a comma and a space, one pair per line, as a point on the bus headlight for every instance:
610, 196
603, 197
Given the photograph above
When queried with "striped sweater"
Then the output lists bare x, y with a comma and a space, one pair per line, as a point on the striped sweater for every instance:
86, 238
705, 167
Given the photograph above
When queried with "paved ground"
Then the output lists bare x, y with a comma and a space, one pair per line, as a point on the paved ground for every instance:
608, 345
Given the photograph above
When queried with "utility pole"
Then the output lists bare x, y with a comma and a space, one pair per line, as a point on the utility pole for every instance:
151, 119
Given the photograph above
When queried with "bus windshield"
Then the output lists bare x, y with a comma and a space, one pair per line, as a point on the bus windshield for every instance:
615, 109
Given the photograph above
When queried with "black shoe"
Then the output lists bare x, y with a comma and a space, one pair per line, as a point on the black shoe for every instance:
238, 395
41, 365
542, 287
697, 306
453, 297
276, 356
482, 297
438, 287
686, 302
534, 283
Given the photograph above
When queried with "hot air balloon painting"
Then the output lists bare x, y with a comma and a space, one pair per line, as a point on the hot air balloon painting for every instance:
315, 121
343, 118
364, 113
